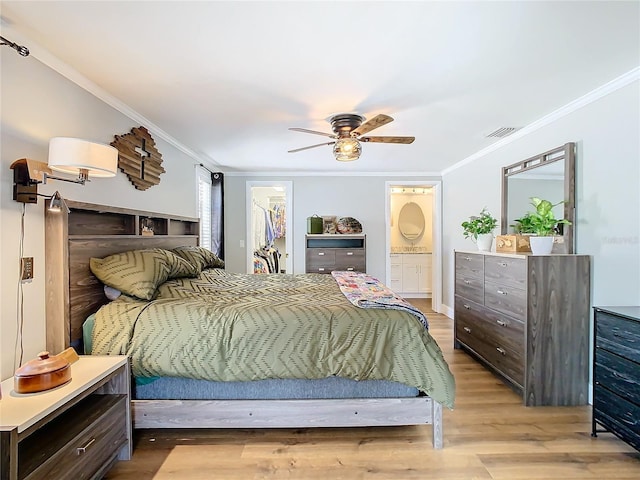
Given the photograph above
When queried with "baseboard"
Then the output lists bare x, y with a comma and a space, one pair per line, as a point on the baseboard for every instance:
447, 310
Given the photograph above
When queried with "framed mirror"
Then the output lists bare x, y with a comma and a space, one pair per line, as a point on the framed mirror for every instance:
411, 221
550, 176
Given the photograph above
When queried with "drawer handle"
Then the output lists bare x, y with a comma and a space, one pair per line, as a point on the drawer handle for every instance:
468, 282
321, 269
502, 292
502, 264
321, 253
501, 351
466, 329
349, 253
350, 269
467, 258
83, 450
466, 306
501, 323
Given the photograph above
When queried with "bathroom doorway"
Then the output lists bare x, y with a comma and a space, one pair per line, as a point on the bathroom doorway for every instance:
414, 240
269, 230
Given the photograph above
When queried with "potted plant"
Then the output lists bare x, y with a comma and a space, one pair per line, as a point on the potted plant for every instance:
523, 225
480, 229
543, 224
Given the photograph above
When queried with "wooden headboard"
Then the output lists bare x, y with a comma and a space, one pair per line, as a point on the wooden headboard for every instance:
88, 230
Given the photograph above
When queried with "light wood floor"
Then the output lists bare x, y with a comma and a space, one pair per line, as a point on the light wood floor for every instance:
489, 435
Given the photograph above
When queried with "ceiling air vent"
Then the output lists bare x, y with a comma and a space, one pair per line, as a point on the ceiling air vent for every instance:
503, 132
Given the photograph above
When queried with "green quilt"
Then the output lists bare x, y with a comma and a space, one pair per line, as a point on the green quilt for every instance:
237, 327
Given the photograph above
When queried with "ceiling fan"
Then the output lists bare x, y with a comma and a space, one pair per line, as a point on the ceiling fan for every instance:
348, 129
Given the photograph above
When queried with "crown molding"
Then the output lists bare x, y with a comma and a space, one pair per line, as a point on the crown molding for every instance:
431, 175
594, 95
47, 58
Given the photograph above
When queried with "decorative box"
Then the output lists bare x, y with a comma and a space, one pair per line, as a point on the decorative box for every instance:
512, 243
314, 224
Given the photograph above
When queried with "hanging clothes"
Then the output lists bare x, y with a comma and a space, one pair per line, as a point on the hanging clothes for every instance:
278, 219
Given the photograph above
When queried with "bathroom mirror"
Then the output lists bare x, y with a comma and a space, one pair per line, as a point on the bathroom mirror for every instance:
411, 221
550, 176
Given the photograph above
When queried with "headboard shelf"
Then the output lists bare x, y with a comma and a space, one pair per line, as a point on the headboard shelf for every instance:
90, 230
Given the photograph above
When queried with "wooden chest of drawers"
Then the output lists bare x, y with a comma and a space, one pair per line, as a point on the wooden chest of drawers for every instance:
527, 319
616, 372
326, 253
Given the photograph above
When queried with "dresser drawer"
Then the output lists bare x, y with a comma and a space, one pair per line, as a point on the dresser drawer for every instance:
481, 337
470, 265
75, 446
470, 287
618, 335
505, 330
349, 257
508, 271
506, 299
321, 256
617, 374
617, 415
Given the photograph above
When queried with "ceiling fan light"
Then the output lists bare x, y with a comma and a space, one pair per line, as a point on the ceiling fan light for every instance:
347, 149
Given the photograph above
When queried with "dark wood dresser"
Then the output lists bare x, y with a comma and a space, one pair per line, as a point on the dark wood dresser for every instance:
526, 318
327, 252
616, 372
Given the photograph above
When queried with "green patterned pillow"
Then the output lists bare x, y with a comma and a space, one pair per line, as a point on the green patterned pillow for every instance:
140, 272
200, 257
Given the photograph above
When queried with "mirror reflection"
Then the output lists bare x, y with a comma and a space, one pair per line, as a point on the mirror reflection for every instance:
550, 176
545, 182
411, 221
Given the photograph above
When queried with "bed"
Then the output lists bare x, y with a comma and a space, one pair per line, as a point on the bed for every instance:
93, 231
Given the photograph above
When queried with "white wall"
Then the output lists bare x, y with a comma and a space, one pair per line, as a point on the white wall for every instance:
37, 104
607, 133
361, 197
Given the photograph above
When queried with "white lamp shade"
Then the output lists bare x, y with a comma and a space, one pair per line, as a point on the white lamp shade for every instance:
70, 155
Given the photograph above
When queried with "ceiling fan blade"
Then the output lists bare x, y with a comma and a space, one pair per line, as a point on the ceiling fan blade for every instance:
375, 122
405, 140
304, 130
310, 146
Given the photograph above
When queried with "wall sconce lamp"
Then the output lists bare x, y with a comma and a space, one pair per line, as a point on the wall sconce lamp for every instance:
66, 155
57, 203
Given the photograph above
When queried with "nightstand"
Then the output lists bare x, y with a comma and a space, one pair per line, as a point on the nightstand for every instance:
77, 430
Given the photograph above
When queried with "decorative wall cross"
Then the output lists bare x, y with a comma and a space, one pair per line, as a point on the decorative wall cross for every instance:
139, 158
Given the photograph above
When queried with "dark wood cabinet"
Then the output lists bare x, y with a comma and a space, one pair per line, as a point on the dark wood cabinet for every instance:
76, 431
526, 318
616, 372
325, 253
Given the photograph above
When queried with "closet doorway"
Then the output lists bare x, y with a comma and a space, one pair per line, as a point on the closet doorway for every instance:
414, 248
269, 230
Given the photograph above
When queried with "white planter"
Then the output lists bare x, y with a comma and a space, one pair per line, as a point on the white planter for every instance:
541, 245
484, 242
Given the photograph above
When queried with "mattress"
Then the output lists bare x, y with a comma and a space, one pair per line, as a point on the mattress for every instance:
170, 388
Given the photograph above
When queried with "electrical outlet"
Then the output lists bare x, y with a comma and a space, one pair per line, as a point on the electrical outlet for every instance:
26, 267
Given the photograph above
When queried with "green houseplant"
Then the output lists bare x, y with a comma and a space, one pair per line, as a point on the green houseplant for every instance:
523, 225
543, 224
480, 229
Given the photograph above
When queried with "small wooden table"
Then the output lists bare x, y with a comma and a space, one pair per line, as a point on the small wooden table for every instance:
82, 426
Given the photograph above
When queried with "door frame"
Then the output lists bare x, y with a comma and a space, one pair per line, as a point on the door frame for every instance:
436, 254
288, 189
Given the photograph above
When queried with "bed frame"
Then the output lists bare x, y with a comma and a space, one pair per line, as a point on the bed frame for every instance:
73, 293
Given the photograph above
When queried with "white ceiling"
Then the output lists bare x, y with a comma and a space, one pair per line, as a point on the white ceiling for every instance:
227, 79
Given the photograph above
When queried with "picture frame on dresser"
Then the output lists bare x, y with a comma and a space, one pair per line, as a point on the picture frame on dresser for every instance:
616, 373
